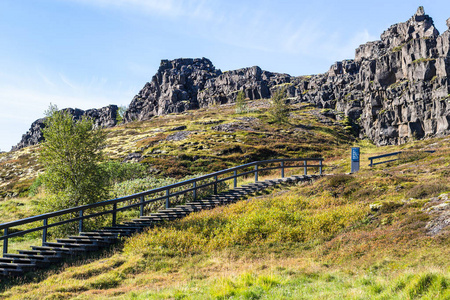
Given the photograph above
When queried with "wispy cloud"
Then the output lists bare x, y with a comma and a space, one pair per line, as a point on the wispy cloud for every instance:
247, 27
168, 8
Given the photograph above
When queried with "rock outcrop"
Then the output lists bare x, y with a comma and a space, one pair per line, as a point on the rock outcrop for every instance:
394, 90
255, 83
174, 88
397, 88
103, 117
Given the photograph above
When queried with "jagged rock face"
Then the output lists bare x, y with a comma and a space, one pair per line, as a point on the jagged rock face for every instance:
396, 89
254, 82
409, 95
174, 88
103, 117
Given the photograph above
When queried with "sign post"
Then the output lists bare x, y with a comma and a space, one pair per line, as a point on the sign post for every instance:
355, 159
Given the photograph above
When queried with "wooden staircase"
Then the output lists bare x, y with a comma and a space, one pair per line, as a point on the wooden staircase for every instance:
53, 252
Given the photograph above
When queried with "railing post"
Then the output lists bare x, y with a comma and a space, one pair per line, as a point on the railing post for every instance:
235, 178
114, 214
141, 211
80, 223
306, 168
371, 162
167, 199
194, 192
215, 185
44, 232
282, 169
5, 242
320, 167
256, 173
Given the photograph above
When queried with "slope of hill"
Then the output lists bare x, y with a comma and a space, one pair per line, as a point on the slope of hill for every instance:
380, 234
197, 141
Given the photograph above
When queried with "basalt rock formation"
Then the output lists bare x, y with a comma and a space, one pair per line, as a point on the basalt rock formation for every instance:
174, 88
394, 90
103, 117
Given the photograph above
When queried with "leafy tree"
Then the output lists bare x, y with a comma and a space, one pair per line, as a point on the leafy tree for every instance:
71, 154
241, 106
279, 109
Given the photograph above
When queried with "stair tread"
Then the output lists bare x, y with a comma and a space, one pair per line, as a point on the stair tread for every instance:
17, 265
29, 256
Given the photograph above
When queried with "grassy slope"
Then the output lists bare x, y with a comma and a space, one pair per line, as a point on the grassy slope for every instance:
354, 237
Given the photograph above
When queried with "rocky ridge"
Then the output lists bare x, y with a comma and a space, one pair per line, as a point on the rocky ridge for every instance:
394, 90
103, 117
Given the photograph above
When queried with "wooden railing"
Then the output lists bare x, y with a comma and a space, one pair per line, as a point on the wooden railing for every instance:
388, 155
191, 186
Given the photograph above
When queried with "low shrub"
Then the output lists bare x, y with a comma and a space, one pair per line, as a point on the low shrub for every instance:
426, 190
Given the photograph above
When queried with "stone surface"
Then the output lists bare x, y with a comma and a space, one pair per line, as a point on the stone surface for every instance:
103, 117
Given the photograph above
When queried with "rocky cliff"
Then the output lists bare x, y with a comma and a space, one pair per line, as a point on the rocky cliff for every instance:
174, 88
103, 117
397, 88
394, 90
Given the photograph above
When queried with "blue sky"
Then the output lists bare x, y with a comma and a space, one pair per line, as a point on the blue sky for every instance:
91, 53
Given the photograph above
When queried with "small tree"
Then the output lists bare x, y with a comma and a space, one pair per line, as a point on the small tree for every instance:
241, 106
120, 114
279, 110
71, 154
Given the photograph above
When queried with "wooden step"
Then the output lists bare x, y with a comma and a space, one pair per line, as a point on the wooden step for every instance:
34, 257
18, 266
93, 234
87, 242
46, 252
75, 246
7, 272
65, 251
95, 239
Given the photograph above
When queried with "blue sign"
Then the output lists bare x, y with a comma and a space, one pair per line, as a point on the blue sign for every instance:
355, 154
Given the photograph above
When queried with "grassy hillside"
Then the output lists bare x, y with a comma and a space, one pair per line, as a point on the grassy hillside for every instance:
199, 141
379, 234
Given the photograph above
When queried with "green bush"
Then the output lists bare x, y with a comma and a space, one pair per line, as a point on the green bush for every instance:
241, 106
118, 172
279, 110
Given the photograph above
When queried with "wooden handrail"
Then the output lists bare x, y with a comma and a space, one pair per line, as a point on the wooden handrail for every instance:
112, 204
390, 154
